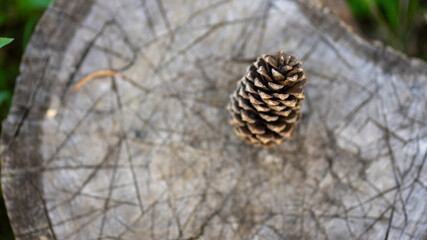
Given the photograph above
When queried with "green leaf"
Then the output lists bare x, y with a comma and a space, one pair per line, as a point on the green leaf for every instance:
413, 7
28, 29
360, 8
40, 4
31, 5
390, 10
5, 41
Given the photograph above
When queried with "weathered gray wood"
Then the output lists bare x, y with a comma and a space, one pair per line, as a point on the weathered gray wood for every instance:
154, 158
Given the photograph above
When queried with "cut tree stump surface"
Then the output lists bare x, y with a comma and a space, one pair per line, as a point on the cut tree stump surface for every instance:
150, 154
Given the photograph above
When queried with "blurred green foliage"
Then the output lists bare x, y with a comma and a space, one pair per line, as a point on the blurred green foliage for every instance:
17, 20
401, 24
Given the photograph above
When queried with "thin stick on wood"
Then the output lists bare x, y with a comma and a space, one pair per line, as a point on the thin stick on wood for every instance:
97, 74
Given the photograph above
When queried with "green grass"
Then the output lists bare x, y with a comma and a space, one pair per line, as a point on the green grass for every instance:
401, 24
17, 20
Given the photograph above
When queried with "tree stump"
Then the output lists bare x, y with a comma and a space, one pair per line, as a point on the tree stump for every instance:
149, 154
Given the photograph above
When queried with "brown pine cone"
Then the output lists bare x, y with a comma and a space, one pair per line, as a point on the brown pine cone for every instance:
266, 105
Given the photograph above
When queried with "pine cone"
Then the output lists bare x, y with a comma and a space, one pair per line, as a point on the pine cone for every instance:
266, 105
